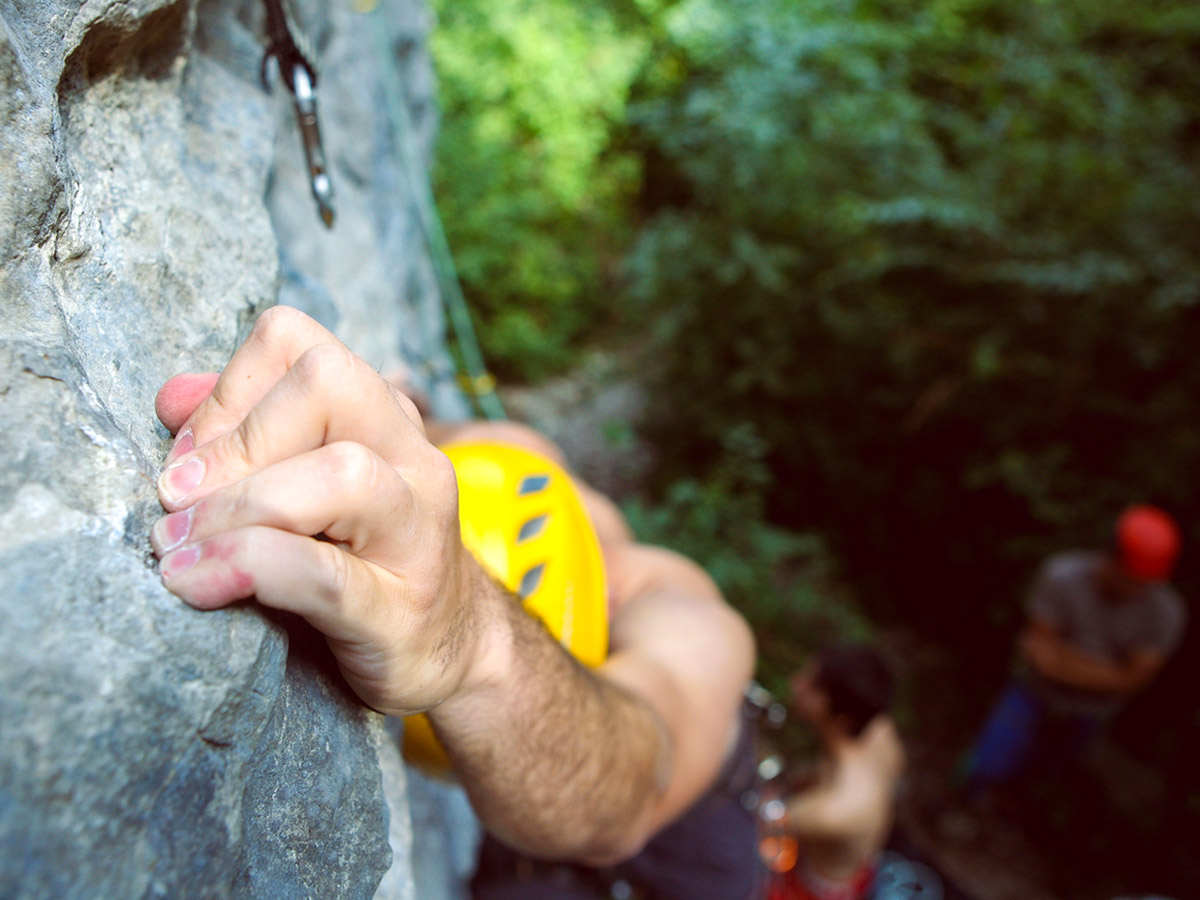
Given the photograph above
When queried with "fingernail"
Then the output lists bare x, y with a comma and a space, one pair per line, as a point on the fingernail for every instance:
180, 561
171, 531
184, 443
180, 479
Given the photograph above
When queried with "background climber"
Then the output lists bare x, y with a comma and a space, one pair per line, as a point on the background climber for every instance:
843, 817
1100, 627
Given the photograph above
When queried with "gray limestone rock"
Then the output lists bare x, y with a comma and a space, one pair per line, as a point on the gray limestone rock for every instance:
152, 202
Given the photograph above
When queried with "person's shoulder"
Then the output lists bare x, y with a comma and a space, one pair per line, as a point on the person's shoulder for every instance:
883, 743
1072, 565
867, 776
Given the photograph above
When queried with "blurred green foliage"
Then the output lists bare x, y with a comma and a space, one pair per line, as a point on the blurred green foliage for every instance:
534, 198
943, 257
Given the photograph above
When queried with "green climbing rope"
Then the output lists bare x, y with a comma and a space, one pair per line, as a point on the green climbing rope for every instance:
476, 381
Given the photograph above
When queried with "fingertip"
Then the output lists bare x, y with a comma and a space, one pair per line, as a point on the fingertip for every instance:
176, 563
179, 481
278, 569
181, 395
171, 531
206, 576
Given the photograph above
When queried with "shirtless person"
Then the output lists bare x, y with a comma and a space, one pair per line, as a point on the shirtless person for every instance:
843, 820
300, 478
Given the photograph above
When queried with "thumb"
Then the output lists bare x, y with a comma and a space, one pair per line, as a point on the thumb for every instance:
179, 397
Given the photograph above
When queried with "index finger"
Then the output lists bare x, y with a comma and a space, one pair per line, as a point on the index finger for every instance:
280, 337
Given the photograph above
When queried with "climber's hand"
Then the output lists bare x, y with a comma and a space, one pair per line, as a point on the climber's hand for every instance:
301, 478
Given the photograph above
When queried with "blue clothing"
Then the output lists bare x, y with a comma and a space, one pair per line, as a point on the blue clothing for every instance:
1023, 733
1039, 722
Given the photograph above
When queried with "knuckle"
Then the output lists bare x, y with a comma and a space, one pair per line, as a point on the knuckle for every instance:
441, 484
440, 472
348, 466
277, 321
325, 364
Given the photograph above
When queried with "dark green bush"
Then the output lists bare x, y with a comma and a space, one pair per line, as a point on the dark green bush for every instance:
943, 257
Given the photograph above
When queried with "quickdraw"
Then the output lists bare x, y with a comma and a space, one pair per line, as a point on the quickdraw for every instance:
288, 46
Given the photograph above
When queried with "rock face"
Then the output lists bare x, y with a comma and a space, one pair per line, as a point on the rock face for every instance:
152, 202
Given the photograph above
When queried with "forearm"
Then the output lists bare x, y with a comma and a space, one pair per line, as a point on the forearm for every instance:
557, 761
1074, 668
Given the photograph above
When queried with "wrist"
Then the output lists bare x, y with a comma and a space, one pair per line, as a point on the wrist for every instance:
490, 606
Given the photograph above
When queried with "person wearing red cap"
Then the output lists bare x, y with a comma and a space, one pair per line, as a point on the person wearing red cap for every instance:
1100, 627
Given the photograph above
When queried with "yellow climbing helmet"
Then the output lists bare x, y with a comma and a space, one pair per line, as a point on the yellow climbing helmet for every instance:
523, 519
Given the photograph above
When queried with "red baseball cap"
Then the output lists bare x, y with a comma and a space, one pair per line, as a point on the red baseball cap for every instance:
1148, 542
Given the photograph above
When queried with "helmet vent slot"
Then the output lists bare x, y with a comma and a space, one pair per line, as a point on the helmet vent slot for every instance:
530, 581
532, 528
532, 484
